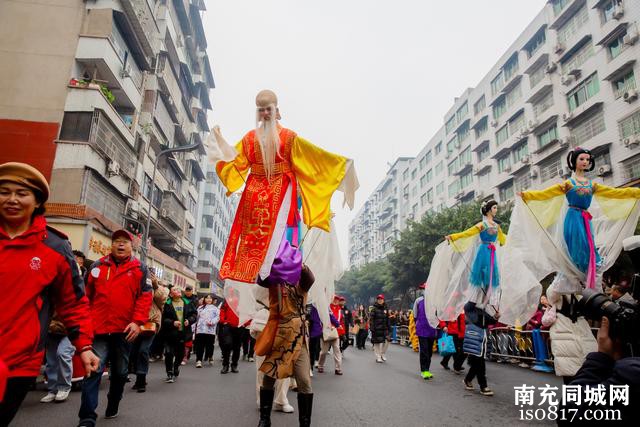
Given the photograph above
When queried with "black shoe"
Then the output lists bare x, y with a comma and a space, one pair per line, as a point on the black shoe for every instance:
170, 379
446, 367
112, 409
140, 384
225, 370
266, 402
234, 369
305, 403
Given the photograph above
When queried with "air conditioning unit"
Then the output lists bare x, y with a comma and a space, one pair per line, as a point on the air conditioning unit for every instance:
533, 173
164, 213
525, 160
559, 48
533, 124
494, 123
113, 168
507, 169
631, 142
566, 79
551, 68
563, 142
524, 132
618, 12
567, 116
630, 95
575, 72
564, 172
134, 207
604, 170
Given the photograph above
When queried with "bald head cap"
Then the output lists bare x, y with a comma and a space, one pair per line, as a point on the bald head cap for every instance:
265, 98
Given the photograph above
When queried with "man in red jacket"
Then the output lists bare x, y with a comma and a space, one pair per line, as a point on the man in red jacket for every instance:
37, 275
120, 300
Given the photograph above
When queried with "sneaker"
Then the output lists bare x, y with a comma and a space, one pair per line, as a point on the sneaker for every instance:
379, 359
384, 359
287, 409
427, 375
62, 395
184, 362
445, 367
251, 359
50, 397
467, 385
211, 362
320, 369
112, 410
169, 379
338, 372
311, 373
198, 364
315, 364
486, 391
234, 369
459, 371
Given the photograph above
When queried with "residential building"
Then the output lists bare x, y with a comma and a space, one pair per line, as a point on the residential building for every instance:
568, 80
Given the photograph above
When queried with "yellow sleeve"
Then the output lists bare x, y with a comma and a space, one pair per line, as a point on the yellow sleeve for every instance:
547, 193
470, 232
233, 174
319, 174
502, 238
616, 193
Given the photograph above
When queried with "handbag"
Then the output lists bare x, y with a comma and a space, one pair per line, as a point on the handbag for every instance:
446, 347
264, 342
148, 328
331, 335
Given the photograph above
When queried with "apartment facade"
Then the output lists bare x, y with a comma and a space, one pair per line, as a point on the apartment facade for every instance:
134, 79
570, 79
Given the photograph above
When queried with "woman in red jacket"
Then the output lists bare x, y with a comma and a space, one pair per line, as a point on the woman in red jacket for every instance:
456, 330
37, 274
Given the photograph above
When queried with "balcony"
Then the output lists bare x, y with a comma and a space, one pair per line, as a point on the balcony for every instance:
465, 167
102, 56
587, 107
141, 18
567, 13
172, 210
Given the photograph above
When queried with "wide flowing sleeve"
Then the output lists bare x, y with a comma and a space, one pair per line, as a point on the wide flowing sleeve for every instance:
233, 173
502, 238
463, 240
616, 203
319, 174
546, 194
546, 205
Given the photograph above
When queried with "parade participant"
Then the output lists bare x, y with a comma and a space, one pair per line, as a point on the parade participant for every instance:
478, 319
178, 315
284, 339
426, 335
380, 328
37, 274
208, 318
140, 352
281, 164
120, 299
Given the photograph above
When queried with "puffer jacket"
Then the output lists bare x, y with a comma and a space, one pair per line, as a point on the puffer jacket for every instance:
570, 344
379, 323
207, 314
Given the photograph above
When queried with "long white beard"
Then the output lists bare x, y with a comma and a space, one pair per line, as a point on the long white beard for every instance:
269, 139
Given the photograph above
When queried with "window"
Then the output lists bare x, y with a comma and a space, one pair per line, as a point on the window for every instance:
429, 175
466, 180
522, 182
497, 84
630, 125
484, 180
453, 167
209, 199
479, 105
607, 9
430, 195
439, 167
451, 123
589, 128
573, 25
578, 58
550, 170
536, 42
414, 191
511, 67
414, 173
440, 188
483, 153
465, 156
210, 177
537, 75
624, 83
438, 148
502, 135
454, 188
520, 152
631, 168
463, 132
451, 145
157, 197
423, 200
506, 192
558, 5
514, 95
504, 164
617, 46
207, 221
499, 108
543, 104
422, 163
423, 181
405, 175
193, 206
146, 188
517, 123
548, 136
481, 128
76, 126
428, 157
205, 243
462, 112
405, 190
583, 91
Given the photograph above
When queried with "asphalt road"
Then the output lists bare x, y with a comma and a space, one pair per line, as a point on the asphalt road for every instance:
368, 394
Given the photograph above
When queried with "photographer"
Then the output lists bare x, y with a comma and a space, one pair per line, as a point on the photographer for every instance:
608, 366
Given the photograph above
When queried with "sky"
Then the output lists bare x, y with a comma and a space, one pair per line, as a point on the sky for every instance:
367, 79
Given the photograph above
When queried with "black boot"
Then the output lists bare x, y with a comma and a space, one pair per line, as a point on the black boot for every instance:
305, 403
225, 369
266, 402
140, 384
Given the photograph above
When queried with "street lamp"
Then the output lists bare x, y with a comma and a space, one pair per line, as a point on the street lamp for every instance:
145, 238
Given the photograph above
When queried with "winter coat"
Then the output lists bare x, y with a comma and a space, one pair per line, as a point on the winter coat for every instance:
160, 295
570, 344
456, 327
423, 328
336, 310
473, 343
315, 324
207, 314
38, 274
118, 294
379, 323
172, 333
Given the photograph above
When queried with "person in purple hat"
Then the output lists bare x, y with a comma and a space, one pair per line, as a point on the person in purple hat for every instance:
284, 339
